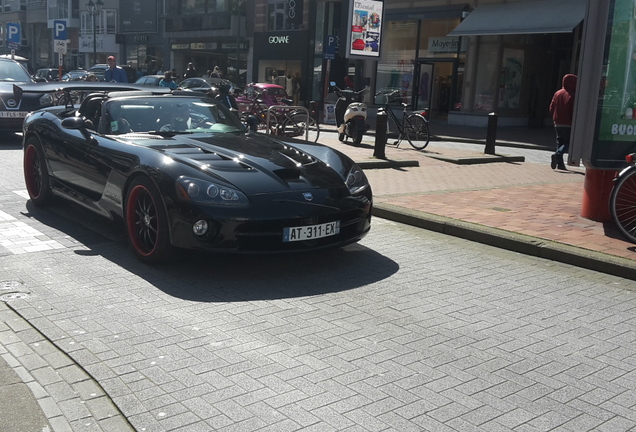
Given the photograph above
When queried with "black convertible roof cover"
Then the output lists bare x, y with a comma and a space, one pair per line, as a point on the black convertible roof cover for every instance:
97, 86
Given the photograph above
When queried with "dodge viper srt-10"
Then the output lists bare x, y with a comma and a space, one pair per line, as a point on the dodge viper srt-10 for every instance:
182, 171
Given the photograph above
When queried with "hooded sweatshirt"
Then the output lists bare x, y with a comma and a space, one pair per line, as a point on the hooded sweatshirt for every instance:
562, 105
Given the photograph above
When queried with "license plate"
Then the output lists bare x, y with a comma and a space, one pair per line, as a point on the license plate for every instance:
13, 114
311, 231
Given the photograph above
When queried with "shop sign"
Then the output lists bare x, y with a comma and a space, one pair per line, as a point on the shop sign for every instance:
295, 12
180, 46
203, 45
444, 45
280, 44
234, 46
365, 23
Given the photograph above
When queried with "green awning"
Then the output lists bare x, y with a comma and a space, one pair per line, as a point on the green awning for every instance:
545, 16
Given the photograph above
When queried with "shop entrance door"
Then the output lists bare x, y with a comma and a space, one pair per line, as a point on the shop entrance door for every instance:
432, 87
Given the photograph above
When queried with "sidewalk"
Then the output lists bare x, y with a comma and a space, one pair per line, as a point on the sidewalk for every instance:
524, 206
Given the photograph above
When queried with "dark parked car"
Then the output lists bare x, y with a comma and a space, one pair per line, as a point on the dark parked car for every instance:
47, 74
14, 108
205, 85
181, 171
75, 75
149, 80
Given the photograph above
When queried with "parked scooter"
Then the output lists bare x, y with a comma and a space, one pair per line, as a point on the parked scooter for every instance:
351, 114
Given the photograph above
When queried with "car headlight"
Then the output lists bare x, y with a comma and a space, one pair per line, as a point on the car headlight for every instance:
46, 100
206, 192
356, 180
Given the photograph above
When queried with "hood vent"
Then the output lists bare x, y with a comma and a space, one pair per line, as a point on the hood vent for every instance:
288, 174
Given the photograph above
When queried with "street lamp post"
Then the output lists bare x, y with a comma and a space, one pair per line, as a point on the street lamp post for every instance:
94, 9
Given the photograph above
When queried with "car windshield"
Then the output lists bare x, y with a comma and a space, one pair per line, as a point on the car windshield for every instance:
13, 72
170, 117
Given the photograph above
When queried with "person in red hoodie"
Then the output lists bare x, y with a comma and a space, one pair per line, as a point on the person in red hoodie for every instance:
562, 109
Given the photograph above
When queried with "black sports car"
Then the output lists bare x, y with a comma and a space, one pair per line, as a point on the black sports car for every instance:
182, 171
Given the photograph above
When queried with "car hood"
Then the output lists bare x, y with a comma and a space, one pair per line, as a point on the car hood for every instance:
256, 163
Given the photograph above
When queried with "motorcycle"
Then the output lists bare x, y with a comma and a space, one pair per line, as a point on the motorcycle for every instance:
351, 114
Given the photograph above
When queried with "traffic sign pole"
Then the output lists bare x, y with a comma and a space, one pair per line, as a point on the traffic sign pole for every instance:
59, 69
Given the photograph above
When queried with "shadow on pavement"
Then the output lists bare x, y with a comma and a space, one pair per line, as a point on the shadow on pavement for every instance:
207, 277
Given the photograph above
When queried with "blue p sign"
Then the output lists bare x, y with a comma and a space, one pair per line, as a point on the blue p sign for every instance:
13, 33
59, 30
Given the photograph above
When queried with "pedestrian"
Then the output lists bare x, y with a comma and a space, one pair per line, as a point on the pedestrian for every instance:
91, 77
167, 80
115, 73
191, 72
216, 73
562, 110
225, 97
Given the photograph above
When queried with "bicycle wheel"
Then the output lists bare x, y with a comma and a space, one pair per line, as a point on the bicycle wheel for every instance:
416, 131
623, 204
295, 123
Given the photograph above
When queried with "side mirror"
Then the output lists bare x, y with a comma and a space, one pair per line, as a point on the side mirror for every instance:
74, 123
77, 123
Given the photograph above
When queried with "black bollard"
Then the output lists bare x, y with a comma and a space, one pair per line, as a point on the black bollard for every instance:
491, 136
381, 123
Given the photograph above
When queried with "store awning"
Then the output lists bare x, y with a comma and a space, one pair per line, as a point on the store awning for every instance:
545, 16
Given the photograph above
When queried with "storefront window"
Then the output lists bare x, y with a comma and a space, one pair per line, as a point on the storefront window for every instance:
487, 74
189, 7
395, 68
284, 73
284, 14
433, 39
510, 84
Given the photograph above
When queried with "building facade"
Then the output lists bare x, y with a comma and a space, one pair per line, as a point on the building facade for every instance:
460, 60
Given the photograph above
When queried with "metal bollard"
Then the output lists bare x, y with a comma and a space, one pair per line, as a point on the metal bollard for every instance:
381, 124
491, 134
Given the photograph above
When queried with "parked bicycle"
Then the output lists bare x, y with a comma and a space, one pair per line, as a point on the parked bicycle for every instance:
413, 127
289, 122
623, 199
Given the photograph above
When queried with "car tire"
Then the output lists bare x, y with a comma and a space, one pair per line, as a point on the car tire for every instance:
36, 174
147, 222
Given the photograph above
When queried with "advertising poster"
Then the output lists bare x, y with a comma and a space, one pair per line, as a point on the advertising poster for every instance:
366, 28
616, 120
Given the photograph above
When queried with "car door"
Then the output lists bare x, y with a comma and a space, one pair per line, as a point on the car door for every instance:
78, 159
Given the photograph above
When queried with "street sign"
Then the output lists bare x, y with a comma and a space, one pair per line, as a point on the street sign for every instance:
59, 36
60, 46
59, 30
13, 35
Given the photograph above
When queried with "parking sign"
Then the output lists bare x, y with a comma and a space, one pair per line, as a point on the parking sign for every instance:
13, 35
59, 30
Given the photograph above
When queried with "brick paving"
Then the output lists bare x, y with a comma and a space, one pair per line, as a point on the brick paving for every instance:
527, 198
437, 337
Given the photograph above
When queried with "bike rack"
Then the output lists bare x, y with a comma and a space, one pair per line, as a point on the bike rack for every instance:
290, 108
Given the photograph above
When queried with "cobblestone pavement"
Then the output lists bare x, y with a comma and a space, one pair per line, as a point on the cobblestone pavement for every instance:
408, 330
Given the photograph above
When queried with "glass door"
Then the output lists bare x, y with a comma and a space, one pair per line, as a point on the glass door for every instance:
422, 85
432, 87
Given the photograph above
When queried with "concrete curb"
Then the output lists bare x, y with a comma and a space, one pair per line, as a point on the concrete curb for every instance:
515, 242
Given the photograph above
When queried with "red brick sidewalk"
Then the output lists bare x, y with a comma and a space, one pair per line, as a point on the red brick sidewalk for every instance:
520, 197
